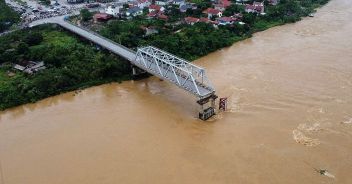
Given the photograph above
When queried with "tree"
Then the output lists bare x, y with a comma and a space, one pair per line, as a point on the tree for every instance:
33, 38
86, 14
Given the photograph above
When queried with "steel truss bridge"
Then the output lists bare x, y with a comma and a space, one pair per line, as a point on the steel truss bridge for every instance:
155, 61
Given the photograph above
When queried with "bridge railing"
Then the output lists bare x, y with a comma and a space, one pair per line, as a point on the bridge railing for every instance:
185, 75
197, 72
96, 34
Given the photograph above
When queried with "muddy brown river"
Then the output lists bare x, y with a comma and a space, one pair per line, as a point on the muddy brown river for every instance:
289, 116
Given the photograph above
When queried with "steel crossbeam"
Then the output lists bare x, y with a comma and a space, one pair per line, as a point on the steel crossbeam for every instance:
185, 75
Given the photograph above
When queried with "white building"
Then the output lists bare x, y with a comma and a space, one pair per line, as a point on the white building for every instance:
113, 10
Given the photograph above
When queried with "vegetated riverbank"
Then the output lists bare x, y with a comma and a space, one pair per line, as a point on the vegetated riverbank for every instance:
70, 64
7, 16
193, 41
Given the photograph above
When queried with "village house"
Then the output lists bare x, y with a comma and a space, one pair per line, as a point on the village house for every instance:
205, 20
238, 16
178, 2
149, 30
211, 12
226, 20
143, 3
256, 7
191, 20
184, 7
163, 17
222, 4
30, 67
158, 15
101, 17
113, 10
241, 1
273, 2
162, 2
134, 11
156, 8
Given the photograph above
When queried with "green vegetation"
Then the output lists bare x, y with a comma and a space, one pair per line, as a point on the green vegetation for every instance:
72, 64
86, 14
67, 67
7, 16
191, 42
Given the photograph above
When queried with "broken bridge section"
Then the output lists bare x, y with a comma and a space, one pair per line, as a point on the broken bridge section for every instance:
180, 72
157, 62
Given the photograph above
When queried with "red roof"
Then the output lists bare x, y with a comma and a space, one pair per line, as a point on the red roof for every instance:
163, 17
153, 14
226, 3
191, 19
227, 19
154, 7
102, 16
203, 19
211, 11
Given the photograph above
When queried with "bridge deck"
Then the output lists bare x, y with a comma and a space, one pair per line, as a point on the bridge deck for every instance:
195, 87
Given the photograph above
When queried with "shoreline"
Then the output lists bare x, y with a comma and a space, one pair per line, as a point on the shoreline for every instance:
90, 84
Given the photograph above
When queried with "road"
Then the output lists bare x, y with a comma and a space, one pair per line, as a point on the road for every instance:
110, 45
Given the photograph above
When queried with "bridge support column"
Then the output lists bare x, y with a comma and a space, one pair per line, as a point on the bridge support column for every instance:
137, 72
207, 107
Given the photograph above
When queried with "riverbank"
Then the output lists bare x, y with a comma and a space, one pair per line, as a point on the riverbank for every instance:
289, 117
67, 69
194, 40
70, 63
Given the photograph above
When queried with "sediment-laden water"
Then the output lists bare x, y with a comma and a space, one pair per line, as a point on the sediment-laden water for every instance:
289, 119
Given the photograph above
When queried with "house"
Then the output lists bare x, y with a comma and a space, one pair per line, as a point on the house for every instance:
143, 3
158, 15
112, 10
30, 67
101, 17
163, 17
153, 14
149, 30
134, 11
162, 2
157, 8
74, 1
184, 7
273, 2
238, 16
222, 5
256, 7
211, 12
191, 20
226, 20
205, 20
178, 2
241, 1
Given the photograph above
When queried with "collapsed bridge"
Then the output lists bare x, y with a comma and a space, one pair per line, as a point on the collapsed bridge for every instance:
162, 64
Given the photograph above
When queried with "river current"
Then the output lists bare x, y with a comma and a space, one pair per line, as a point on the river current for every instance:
289, 119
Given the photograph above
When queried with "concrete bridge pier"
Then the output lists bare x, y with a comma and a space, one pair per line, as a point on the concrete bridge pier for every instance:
137, 72
207, 107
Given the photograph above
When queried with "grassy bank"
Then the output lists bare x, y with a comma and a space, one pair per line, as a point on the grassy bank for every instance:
71, 64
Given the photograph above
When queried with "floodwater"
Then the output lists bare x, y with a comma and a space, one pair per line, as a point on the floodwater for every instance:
289, 116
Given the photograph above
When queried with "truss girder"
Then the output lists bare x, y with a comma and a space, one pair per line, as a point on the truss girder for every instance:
185, 75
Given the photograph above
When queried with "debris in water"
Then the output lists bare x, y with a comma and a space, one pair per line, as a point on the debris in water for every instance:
325, 172
299, 137
347, 121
